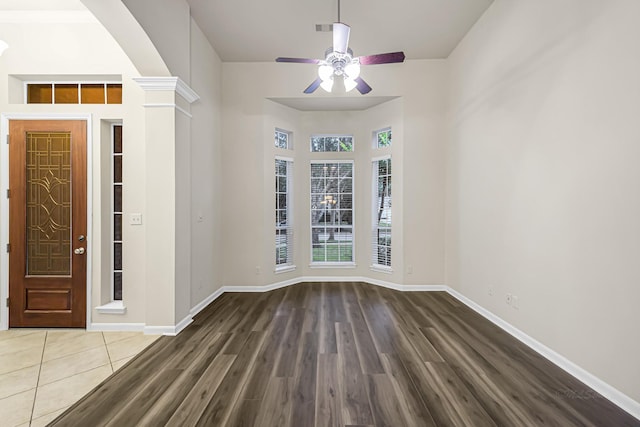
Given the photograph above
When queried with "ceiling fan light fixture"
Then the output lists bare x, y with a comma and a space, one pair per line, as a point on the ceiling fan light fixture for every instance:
327, 84
3, 46
325, 72
339, 61
349, 84
352, 69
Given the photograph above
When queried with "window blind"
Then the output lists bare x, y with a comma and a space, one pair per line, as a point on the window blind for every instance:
332, 211
284, 229
381, 241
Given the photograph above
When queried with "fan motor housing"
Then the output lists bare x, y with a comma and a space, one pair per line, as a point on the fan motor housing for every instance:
338, 60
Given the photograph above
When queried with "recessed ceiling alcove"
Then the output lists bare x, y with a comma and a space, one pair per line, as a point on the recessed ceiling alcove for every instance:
333, 103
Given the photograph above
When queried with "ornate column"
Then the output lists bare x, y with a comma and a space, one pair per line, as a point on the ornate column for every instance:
167, 215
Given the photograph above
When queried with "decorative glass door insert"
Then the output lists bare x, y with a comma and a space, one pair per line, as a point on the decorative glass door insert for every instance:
48, 197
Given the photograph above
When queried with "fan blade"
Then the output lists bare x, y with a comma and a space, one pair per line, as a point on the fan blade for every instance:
298, 60
382, 58
340, 37
313, 86
362, 86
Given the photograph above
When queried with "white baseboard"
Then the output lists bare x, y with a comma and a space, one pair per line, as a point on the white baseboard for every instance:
205, 302
116, 327
141, 327
333, 279
182, 324
171, 331
606, 390
160, 330
265, 288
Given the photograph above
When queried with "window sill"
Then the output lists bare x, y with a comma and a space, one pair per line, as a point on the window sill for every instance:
285, 269
114, 307
381, 269
332, 265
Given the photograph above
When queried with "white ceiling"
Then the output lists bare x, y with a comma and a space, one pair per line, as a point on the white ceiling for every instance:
261, 30
41, 5
44, 11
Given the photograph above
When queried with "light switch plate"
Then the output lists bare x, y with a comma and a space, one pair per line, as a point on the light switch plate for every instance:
135, 219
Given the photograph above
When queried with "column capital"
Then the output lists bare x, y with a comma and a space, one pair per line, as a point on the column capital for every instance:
168, 84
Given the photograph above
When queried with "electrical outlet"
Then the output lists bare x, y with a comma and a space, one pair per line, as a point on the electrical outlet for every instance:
491, 291
257, 270
509, 299
410, 269
515, 302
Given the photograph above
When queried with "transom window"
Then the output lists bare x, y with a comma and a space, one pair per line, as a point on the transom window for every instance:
283, 139
382, 138
329, 143
332, 211
74, 93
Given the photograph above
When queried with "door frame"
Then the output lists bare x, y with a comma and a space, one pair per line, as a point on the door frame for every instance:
4, 204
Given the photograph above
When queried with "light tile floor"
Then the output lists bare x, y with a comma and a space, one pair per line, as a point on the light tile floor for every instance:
43, 372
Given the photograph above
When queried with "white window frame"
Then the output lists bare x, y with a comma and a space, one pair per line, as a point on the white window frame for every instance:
288, 265
334, 264
375, 244
289, 135
337, 135
375, 137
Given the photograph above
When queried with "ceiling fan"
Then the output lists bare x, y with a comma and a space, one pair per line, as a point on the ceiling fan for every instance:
339, 62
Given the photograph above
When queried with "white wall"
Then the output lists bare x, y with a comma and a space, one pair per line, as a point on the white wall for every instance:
542, 182
60, 51
156, 293
424, 96
183, 158
206, 169
130, 36
247, 197
167, 23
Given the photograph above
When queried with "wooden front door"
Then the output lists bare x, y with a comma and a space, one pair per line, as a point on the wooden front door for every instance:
47, 223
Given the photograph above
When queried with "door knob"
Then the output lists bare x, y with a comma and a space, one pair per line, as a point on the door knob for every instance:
78, 251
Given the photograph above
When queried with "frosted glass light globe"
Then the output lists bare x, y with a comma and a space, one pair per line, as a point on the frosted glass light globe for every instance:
353, 69
325, 72
3, 46
327, 84
349, 84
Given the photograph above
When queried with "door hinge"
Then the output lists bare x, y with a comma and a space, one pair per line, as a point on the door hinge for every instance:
8, 193
7, 136
7, 301
8, 247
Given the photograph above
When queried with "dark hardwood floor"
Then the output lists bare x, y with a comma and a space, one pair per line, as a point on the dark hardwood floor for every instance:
347, 354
